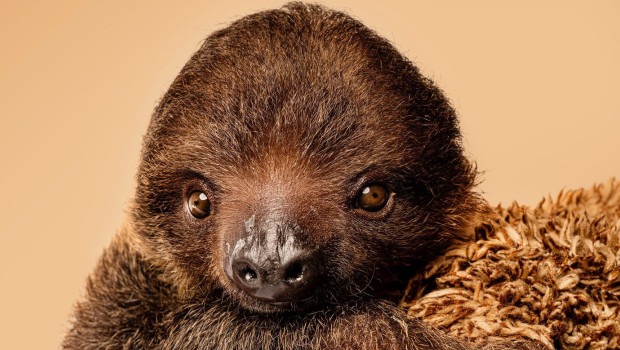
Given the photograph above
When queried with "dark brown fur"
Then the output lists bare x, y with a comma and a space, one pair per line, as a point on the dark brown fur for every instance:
300, 103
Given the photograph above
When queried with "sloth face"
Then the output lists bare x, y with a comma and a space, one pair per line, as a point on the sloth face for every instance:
299, 166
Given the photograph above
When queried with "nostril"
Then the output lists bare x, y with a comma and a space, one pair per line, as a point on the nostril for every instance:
248, 274
272, 281
294, 272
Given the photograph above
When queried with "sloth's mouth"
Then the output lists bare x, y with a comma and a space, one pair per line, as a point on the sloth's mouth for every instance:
282, 304
260, 307
254, 305
287, 306
283, 307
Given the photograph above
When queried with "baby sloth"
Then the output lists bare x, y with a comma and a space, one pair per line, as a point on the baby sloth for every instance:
295, 171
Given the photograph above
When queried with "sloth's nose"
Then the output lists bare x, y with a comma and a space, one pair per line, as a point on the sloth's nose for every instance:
287, 279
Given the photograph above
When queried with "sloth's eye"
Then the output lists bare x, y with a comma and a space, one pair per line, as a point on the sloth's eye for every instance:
199, 205
373, 198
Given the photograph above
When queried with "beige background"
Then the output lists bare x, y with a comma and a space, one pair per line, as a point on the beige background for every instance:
537, 85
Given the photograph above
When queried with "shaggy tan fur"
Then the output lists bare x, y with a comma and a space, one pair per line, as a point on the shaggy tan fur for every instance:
549, 273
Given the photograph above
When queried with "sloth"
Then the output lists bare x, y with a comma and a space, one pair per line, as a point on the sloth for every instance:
296, 171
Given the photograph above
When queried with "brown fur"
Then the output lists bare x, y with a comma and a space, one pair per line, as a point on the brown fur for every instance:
290, 110
549, 273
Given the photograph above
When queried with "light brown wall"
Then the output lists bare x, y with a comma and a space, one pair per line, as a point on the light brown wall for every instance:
537, 85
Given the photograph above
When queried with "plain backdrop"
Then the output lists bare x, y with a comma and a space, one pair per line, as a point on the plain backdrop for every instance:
536, 85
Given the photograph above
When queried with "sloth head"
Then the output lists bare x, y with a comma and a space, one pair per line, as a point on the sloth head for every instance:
296, 161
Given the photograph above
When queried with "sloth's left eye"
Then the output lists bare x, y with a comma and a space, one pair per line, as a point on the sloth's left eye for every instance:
373, 198
199, 205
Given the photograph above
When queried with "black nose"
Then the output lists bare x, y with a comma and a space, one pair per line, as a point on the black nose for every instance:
285, 280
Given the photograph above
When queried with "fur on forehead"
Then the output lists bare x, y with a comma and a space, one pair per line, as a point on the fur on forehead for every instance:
305, 83
312, 145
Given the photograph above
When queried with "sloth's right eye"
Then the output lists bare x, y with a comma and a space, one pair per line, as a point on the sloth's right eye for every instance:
199, 205
373, 198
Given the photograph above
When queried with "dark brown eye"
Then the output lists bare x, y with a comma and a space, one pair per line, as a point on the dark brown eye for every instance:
199, 205
373, 198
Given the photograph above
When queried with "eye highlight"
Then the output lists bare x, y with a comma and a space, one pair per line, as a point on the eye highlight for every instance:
199, 205
372, 198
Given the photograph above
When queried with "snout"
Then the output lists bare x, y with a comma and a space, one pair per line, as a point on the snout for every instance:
273, 245
279, 276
